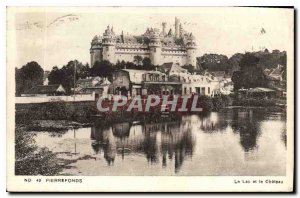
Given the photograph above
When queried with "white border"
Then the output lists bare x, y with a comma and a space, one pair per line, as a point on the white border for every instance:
103, 3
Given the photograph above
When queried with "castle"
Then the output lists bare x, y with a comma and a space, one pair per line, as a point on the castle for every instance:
161, 47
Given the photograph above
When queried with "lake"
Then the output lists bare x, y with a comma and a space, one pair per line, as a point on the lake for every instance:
233, 141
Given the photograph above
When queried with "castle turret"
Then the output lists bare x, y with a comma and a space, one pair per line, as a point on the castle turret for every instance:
96, 50
180, 31
164, 25
108, 43
155, 47
191, 48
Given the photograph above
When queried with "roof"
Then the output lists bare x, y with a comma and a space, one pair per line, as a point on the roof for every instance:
163, 82
274, 73
218, 73
167, 66
45, 89
173, 67
135, 76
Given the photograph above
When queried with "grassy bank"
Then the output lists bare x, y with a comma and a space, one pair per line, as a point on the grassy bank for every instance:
75, 111
82, 112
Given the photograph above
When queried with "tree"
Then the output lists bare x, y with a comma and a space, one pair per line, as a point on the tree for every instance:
82, 71
190, 68
146, 62
251, 75
237, 79
214, 62
234, 62
137, 59
28, 77
147, 65
120, 65
65, 75
102, 68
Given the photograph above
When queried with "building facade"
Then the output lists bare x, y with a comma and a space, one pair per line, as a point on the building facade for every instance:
93, 85
161, 47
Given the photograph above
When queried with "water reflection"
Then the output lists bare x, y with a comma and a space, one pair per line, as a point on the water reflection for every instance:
157, 141
237, 141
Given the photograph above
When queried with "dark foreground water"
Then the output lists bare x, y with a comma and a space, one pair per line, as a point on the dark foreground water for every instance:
235, 141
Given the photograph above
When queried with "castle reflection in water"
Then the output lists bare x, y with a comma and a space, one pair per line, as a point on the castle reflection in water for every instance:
172, 138
169, 139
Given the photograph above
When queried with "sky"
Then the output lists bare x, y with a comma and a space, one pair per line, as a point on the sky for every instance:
53, 36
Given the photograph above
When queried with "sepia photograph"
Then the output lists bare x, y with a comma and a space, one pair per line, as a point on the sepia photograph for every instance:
152, 94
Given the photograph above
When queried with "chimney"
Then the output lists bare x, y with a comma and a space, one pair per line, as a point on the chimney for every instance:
176, 27
164, 24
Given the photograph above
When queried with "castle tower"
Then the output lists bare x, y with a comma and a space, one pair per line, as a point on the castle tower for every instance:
164, 25
180, 31
155, 47
96, 50
191, 48
177, 27
108, 43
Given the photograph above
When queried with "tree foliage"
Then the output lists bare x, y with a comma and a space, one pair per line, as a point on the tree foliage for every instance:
102, 68
214, 62
220, 62
146, 65
33, 160
65, 75
251, 74
190, 68
137, 60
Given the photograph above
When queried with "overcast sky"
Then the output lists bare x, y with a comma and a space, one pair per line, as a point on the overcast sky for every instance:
53, 36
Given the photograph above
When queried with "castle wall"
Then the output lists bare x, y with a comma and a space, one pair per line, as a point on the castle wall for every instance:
176, 56
180, 59
96, 55
158, 56
127, 54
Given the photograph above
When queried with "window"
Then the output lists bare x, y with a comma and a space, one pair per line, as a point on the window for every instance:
203, 90
208, 90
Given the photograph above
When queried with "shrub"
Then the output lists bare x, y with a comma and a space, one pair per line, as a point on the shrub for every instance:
31, 160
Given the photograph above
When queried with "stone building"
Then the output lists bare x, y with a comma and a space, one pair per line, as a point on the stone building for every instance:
161, 47
93, 85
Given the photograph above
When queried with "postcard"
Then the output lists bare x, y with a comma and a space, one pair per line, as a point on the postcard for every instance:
150, 99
